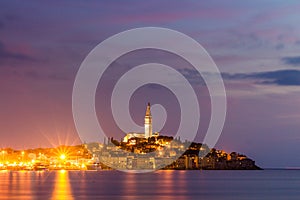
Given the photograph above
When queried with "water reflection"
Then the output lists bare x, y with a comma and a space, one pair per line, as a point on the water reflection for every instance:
14, 184
159, 185
171, 183
62, 188
130, 186
165, 184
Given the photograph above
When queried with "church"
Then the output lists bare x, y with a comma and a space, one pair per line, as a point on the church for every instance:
148, 128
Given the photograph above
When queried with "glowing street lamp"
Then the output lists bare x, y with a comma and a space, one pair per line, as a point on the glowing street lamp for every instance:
62, 156
23, 153
3, 153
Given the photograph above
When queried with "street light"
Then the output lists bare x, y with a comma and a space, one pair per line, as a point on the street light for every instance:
62, 156
3, 152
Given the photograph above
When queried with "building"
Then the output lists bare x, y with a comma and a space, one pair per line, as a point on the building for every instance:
147, 125
148, 122
133, 135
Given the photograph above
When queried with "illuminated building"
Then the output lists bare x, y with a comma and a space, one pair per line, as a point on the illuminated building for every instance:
148, 122
133, 135
147, 125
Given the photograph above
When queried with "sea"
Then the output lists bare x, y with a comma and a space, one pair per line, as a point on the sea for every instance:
164, 184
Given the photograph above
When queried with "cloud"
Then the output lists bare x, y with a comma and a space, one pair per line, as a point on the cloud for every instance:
280, 77
7, 19
294, 61
59, 77
45, 76
192, 76
279, 46
8, 55
1, 25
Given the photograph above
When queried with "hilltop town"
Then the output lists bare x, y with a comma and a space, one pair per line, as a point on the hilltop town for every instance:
137, 151
150, 150
98, 156
166, 153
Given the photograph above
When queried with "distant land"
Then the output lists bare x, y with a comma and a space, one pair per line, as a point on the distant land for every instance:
137, 151
121, 155
189, 155
150, 150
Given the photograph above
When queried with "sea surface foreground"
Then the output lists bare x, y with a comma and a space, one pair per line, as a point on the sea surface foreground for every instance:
265, 184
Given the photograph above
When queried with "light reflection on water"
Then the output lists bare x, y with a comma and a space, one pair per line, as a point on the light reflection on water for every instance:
267, 184
15, 183
62, 189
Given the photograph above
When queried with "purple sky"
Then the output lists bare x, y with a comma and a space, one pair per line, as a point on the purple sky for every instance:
255, 44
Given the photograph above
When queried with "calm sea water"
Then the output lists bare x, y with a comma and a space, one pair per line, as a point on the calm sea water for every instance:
266, 184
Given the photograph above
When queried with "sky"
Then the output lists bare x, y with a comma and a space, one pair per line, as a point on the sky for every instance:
255, 44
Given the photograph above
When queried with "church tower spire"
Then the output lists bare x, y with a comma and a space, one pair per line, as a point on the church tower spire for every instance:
148, 122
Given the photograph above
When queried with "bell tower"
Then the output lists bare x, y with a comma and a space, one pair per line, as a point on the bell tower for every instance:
148, 122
